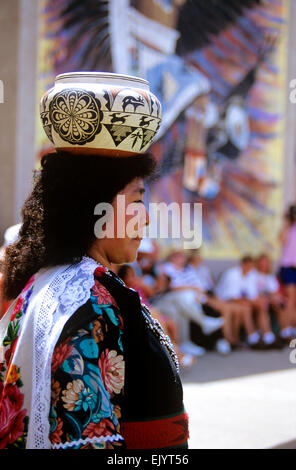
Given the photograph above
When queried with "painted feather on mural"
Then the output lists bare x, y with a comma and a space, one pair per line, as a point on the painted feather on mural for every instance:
218, 70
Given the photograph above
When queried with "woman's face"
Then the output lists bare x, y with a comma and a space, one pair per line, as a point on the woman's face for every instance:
127, 223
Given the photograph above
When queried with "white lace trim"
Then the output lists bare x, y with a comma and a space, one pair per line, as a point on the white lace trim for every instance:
59, 292
93, 440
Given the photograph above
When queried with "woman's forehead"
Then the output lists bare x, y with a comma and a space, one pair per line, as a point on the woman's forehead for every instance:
135, 186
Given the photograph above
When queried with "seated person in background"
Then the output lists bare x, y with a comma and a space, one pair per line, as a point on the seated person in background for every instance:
198, 274
183, 302
287, 263
195, 265
146, 262
239, 285
127, 274
269, 286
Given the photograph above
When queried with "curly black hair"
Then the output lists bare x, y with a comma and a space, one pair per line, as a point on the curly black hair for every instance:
58, 217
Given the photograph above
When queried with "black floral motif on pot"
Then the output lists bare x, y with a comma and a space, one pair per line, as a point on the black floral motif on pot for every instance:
76, 115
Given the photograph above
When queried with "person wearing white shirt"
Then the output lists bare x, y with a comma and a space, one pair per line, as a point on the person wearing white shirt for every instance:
198, 274
269, 286
239, 285
183, 303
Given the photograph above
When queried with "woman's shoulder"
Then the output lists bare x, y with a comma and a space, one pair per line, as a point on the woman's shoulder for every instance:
98, 303
68, 284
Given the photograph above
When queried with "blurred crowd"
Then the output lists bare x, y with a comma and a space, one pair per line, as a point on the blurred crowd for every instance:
246, 307
251, 304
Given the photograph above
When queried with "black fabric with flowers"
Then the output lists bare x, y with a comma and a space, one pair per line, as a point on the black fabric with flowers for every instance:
88, 377
109, 370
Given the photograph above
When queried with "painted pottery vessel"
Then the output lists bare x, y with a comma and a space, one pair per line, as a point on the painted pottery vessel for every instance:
102, 113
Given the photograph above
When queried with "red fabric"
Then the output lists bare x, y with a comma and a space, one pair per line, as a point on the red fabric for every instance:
156, 434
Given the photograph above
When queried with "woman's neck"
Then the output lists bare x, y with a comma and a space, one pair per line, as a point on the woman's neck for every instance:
98, 255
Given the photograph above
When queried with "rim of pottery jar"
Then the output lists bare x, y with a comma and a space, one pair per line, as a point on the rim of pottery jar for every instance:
103, 77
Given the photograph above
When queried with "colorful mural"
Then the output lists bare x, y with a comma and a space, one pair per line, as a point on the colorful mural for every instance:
220, 74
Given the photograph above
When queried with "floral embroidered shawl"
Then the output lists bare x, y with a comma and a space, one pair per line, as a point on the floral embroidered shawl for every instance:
28, 334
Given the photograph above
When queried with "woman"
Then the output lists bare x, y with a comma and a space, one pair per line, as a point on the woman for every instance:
269, 287
287, 272
83, 363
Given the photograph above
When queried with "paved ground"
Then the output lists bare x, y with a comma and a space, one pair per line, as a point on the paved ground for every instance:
246, 400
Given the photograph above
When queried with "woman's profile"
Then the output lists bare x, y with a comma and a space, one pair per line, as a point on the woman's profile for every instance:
83, 364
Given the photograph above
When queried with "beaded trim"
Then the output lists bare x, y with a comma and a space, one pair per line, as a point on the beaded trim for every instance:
154, 325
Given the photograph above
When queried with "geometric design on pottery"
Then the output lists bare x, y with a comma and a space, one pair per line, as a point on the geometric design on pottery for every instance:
158, 126
156, 103
75, 115
136, 136
119, 133
101, 111
148, 136
109, 99
46, 125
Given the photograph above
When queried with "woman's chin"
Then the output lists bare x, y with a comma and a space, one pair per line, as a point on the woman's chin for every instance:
132, 252
129, 257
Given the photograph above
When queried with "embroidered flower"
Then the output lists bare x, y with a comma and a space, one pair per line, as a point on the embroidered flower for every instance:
11, 416
29, 283
61, 352
104, 428
71, 395
100, 270
17, 308
55, 436
55, 391
77, 396
112, 370
117, 411
103, 296
8, 355
22, 301
116, 415
12, 375
97, 331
